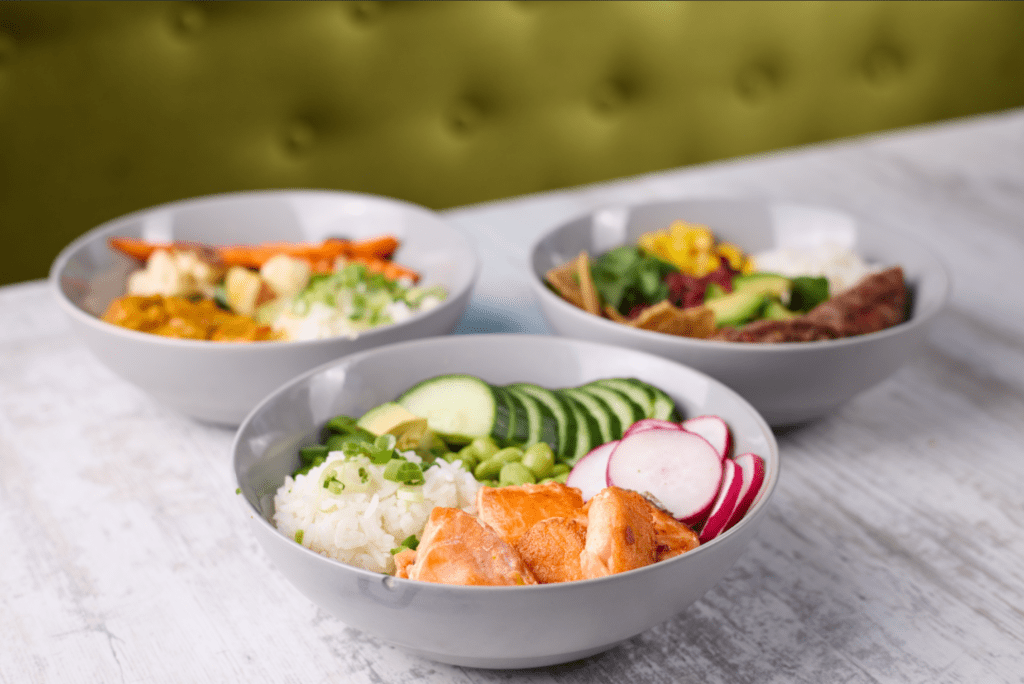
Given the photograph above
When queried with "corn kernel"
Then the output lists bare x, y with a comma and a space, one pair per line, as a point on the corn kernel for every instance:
705, 263
732, 254
701, 239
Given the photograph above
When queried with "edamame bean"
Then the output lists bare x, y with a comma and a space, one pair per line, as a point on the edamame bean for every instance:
484, 447
560, 469
515, 473
490, 468
469, 457
539, 458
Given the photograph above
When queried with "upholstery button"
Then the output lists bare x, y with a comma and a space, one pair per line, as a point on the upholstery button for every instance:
609, 95
364, 10
298, 137
756, 82
882, 63
465, 116
189, 20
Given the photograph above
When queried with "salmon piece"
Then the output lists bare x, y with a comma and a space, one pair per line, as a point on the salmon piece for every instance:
551, 549
403, 561
620, 533
671, 537
457, 549
511, 511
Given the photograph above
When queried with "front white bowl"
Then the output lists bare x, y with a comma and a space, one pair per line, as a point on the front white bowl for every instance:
221, 382
495, 627
788, 383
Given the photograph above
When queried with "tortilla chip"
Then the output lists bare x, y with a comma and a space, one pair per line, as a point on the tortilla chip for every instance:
612, 313
591, 300
563, 279
663, 317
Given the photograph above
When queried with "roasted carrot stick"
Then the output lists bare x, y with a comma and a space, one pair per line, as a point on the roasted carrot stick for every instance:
373, 253
254, 256
136, 248
389, 269
381, 247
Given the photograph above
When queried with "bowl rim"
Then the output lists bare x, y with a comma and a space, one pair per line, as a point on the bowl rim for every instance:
78, 314
755, 512
941, 283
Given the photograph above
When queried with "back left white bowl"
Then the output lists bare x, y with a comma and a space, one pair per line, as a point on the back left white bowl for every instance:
220, 382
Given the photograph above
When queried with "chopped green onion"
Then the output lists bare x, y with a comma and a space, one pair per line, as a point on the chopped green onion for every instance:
298, 537
404, 472
410, 494
410, 542
334, 485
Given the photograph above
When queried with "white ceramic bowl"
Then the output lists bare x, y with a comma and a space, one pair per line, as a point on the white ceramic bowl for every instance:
495, 627
221, 382
788, 383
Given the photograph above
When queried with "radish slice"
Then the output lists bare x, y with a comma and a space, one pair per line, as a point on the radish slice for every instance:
678, 468
713, 429
651, 424
590, 474
754, 470
725, 502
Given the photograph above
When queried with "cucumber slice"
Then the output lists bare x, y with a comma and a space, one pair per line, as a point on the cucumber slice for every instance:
639, 392
607, 422
540, 422
664, 407
461, 407
588, 433
625, 409
518, 429
564, 416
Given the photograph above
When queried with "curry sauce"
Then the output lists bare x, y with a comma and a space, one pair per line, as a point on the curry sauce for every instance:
183, 318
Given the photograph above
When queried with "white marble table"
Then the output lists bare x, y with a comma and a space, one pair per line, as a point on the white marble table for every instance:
893, 552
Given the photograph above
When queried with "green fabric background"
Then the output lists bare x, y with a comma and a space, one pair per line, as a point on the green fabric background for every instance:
106, 108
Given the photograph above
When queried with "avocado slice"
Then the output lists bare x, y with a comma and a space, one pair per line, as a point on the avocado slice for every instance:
714, 291
751, 294
773, 284
737, 307
384, 418
775, 310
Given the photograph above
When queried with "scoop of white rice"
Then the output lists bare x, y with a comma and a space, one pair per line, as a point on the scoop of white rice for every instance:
841, 266
362, 527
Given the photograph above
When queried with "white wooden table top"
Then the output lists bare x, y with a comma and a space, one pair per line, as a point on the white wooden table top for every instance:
892, 553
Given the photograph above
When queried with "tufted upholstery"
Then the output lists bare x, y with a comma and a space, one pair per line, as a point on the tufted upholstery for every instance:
110, 107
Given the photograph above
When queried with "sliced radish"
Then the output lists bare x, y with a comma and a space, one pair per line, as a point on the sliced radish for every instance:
590, 474
754, 469
678, 468
725, 502
651, 424
713, 429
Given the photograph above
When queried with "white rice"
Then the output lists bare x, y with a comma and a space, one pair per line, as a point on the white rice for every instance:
841, 266
323, 321
361, 528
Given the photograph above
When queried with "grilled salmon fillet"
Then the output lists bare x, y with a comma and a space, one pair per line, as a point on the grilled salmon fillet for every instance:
457, 549
403, 560
671, 537
511, 511
620, 533
551, 549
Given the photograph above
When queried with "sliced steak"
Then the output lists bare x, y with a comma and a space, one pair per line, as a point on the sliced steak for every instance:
790, 330
877, 302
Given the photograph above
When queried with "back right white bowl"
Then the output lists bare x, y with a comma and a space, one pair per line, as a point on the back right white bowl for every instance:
788, 383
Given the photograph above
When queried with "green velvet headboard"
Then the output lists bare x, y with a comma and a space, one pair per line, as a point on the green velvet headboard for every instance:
110, 107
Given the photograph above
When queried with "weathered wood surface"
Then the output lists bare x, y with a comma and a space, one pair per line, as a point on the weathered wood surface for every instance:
893, 552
